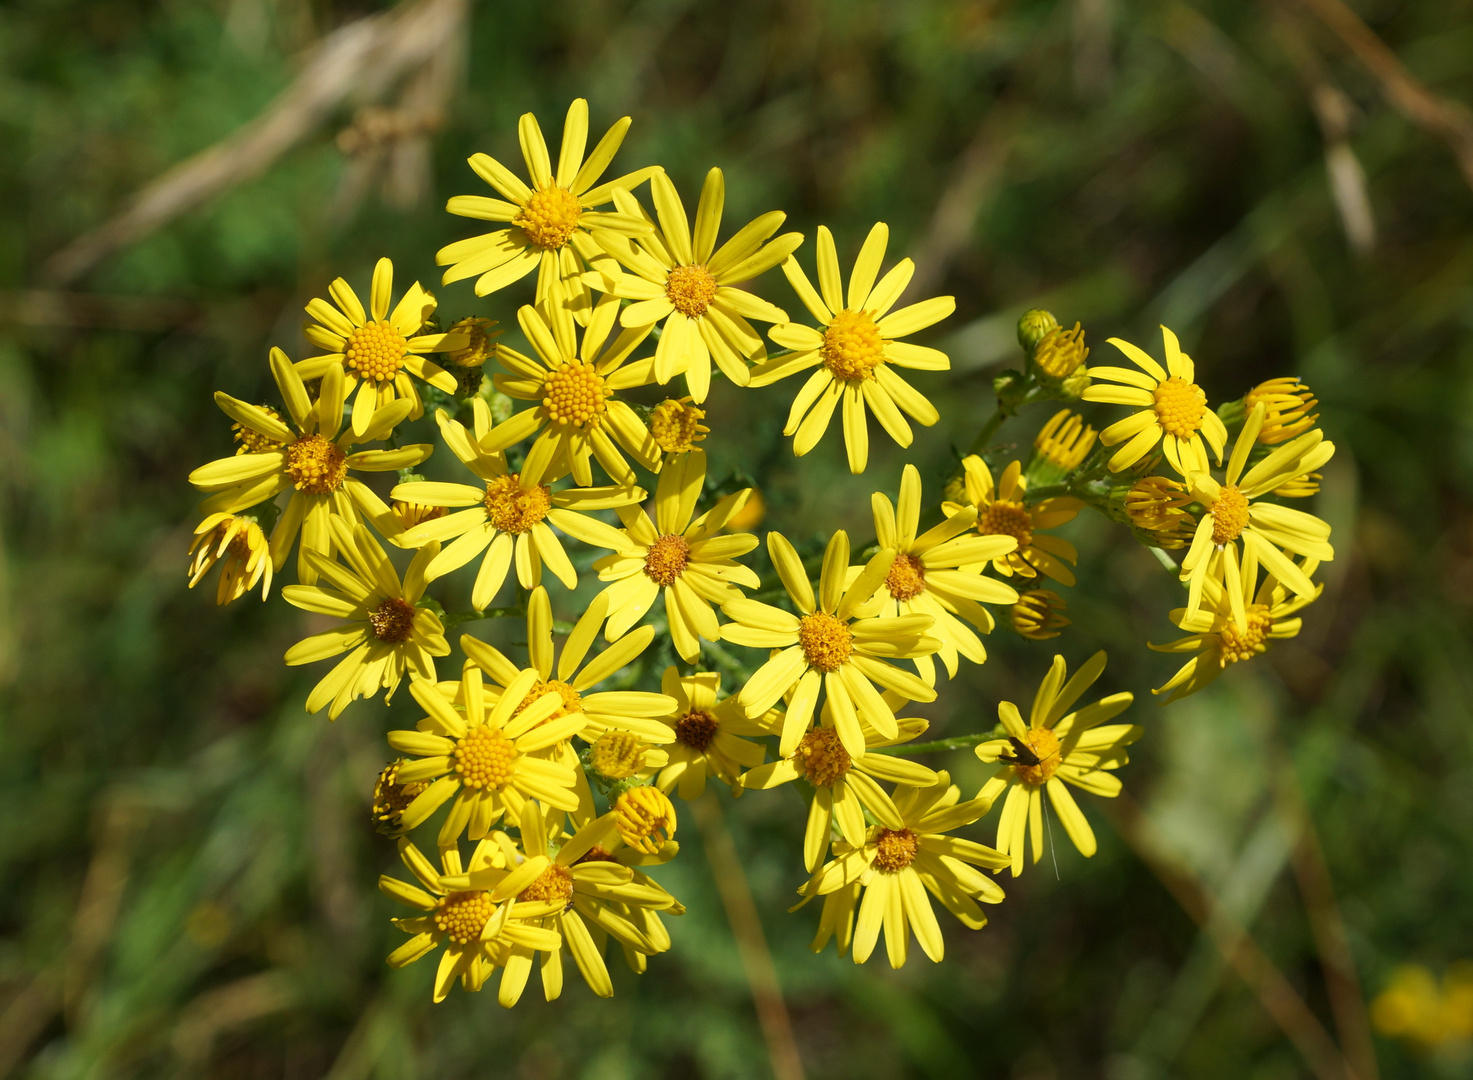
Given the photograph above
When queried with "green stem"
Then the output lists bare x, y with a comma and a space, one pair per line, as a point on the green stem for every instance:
959, 742
989, 429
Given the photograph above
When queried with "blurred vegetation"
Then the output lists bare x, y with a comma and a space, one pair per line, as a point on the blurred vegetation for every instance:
186, 857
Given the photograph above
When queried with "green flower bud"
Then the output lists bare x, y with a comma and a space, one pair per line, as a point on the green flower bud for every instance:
1033, 326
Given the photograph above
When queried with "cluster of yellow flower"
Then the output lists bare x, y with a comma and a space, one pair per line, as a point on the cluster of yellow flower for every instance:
564, 787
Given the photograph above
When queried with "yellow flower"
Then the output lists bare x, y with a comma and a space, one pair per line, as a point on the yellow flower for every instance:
313, 462
240, 545
1065, 441
682, 278
1049, 750
829, 646
691, 562
378, 350
706, 734
1060, 352
1154, 505
480, 341
1271, 612
1002, 511
478, 927
388, 634
645, 817
391, 797
888, 877
1038, 615
576, 413
676, 425
1287, 401
857, 347
844, 787
1173, 409
622, 755
509, 519
1413, 1006
753, 514
1235, 512
549, 221
927, 576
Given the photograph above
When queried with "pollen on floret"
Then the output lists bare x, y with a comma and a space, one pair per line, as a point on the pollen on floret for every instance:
316, 466
852, 346
617, 755
251, 441
575, 394
1007, 517
822, 757
895, 849
550, 216
1180, 406
696, 729
1061, 352
1244, 645
391, 798
667, 559
485, 758
907, 577
1045, 747
1038, 614
392, 621
691, 289
461, 916
676, 425
826, 641
1229, 516
553, 886
376, 351
513, 508
645, 818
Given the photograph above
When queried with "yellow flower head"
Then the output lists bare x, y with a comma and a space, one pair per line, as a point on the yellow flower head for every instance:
391, 797
645, 817
239, 545
1038, 615
1154, 505
1287, 402
676, 425
1060, 352
857, 349
480, 342
706, 734
1065, 441
1001, 510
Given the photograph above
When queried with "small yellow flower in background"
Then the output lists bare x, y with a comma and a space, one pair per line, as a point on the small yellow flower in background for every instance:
1154, 505
681, 277
387, 634
1002, 511
391, 797
1060, 352
477, 927
829, 646
1053, 747
1287, 402
692, 563
1038, 615
1271, 612
645, 817
1235, 512
706, 734
509, 519
926, 577
239, 545
576, 416
1416, 1007
1173, 409
857, 347
378, 350
312, 461
844, 787
887, 878
676, 425
1065, 441
480, 341
549, 222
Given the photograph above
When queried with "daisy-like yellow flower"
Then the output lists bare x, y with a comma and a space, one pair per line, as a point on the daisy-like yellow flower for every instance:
685, 280
549, 222
888, 876
1235, 511
1055, 746
926, 577
1213, 636
509, 519
378, 350
645, 817
829, 646
1154, 504
844, 787
676, 425
1002, 511
1173, 409
858, 348
1065, 441
313, 462
391, 797
388, 635
1287, 401
576, 416
706, 734
479, 928
691, 562
239, 545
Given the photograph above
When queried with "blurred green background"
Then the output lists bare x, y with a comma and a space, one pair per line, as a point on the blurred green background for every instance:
186, 861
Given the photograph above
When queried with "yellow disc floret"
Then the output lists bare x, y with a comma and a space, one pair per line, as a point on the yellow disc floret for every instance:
826, 641
513, 508
822, 757
691, 289
907, 577
549, 217
1061, 352
392, 621
485, 758
852, 346
895, 849
1238, 646
376, 351
575, 394
666, 559
572, 700
316, 466
1180, 406
1006, 517
553, 886
617, 755
1043, 744
253, 442
645, 817
676, 425
1229, 516
462, 916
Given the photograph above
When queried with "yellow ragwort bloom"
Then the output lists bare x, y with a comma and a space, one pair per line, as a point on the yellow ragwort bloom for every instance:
239, 545
1060, 353
858, 348
1002, 511
480, 343
1173, 409
1055, 746
1065, 441
1038, 615
676, 425
1154, 505
1288, 402
1431, 1016
391, 797
645, 817
705, 736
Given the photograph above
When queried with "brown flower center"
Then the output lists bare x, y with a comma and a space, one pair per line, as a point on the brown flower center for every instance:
549, 217
461, 916
392, 621
485, 758
513, 508
696, 729
895, 849
852, 346
1229, 516
595, 854
666, 559
1007, 517
316, 466
826, 641
907, 577
575, 394
391, 798
1180, 406
376, 351
691, 289
822, 757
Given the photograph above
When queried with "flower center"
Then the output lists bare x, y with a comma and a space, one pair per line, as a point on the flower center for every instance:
479, 345
391, 798
696, 729
575, 394
826, 641
907, 577
392, 621
1043, 744
1229, 516
666, 559
572, 700
690, 289
549, 217
411, 514
852, 346
1238, 646
895, 849
822, 757
376, 351
553, 886
645, 817
485, 758
1180, 406
513, 508
316, 466
253, 442
676, 425
617, 755
462, 916
1007, 517
1061, 352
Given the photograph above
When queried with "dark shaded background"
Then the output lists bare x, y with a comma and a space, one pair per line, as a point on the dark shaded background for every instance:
186, 866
